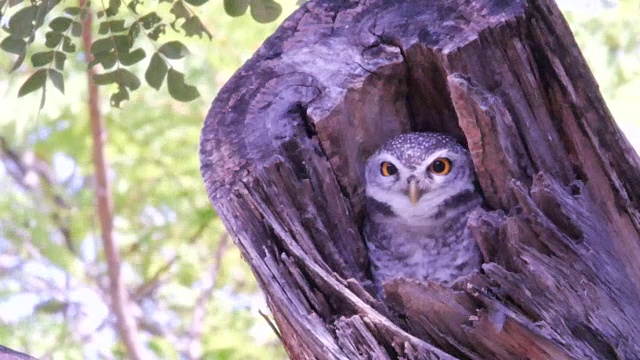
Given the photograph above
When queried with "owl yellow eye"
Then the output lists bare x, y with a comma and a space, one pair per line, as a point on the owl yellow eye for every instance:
388, 169
440, 166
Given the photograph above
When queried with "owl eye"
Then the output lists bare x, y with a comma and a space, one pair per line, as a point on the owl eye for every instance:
388, 169
441, 166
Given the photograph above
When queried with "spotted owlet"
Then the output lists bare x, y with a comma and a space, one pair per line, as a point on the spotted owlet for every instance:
420, 191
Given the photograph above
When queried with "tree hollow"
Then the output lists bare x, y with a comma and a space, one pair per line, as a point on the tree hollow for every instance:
285, 141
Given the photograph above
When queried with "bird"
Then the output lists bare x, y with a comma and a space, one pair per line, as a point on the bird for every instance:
420, 189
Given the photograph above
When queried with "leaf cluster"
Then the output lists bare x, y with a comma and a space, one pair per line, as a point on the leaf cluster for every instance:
125, 33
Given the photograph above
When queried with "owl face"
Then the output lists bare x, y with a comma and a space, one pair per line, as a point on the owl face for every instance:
413, 173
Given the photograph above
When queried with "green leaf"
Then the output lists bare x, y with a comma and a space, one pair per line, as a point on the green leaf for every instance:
157, 31
33, 83
13, 3
22, 23
178, 89
107, 60
114, 7
42, 58
196, 2
150, 20
76, 29
56, 79
128, 79
133, 57
52, 39
118, 26
72, 10
123, 43
44, 7
19, 61
180, 11
51, 306
236, 7
120, 96
68, 45
265, 11
60, 24
13, 45
110, 77
134, 30
174, 50
100, 46
103, 28
58, 59
193, 26
156, 71
133, 5
111, 26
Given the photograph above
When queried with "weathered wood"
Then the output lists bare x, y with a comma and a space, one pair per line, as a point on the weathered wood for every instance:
285, 140
9, 354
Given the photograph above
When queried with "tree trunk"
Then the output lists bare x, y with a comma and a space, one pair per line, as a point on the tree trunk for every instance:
9, 354
285, 140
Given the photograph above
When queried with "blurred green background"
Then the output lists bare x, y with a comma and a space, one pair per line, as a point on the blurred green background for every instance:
177, 262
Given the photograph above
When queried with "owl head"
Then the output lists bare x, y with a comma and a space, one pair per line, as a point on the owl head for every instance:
413, 173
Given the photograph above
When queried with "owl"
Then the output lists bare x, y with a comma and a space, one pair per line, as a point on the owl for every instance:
420, 189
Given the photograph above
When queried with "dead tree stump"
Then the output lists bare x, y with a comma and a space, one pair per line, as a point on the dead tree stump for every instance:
285, 140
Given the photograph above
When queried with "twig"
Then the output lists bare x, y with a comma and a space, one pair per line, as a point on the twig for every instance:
194, 347
271, 324
154, 282
45, 186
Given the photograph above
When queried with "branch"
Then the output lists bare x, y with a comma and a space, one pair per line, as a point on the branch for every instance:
154, 282
273, 327
36, 176
157, 279
194, 347
127, 327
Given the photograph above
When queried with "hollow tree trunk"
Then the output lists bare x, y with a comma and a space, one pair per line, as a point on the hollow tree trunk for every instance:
286, 138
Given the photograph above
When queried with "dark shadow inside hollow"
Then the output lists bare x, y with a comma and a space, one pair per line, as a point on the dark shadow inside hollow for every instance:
428, 97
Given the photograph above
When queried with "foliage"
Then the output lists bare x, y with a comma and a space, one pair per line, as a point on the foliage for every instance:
128, 34
53, 278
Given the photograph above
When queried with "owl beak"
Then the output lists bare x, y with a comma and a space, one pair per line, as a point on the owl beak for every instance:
414, 191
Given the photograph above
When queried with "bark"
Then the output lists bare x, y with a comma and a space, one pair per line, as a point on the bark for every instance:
8, 354
285, 140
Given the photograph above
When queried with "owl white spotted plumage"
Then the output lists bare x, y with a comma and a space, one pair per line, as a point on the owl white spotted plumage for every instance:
420, 191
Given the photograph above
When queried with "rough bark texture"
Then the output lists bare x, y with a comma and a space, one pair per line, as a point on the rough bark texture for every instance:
285, 140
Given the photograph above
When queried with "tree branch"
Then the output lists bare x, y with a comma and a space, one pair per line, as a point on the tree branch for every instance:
127, 327
36, 176
194, 347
